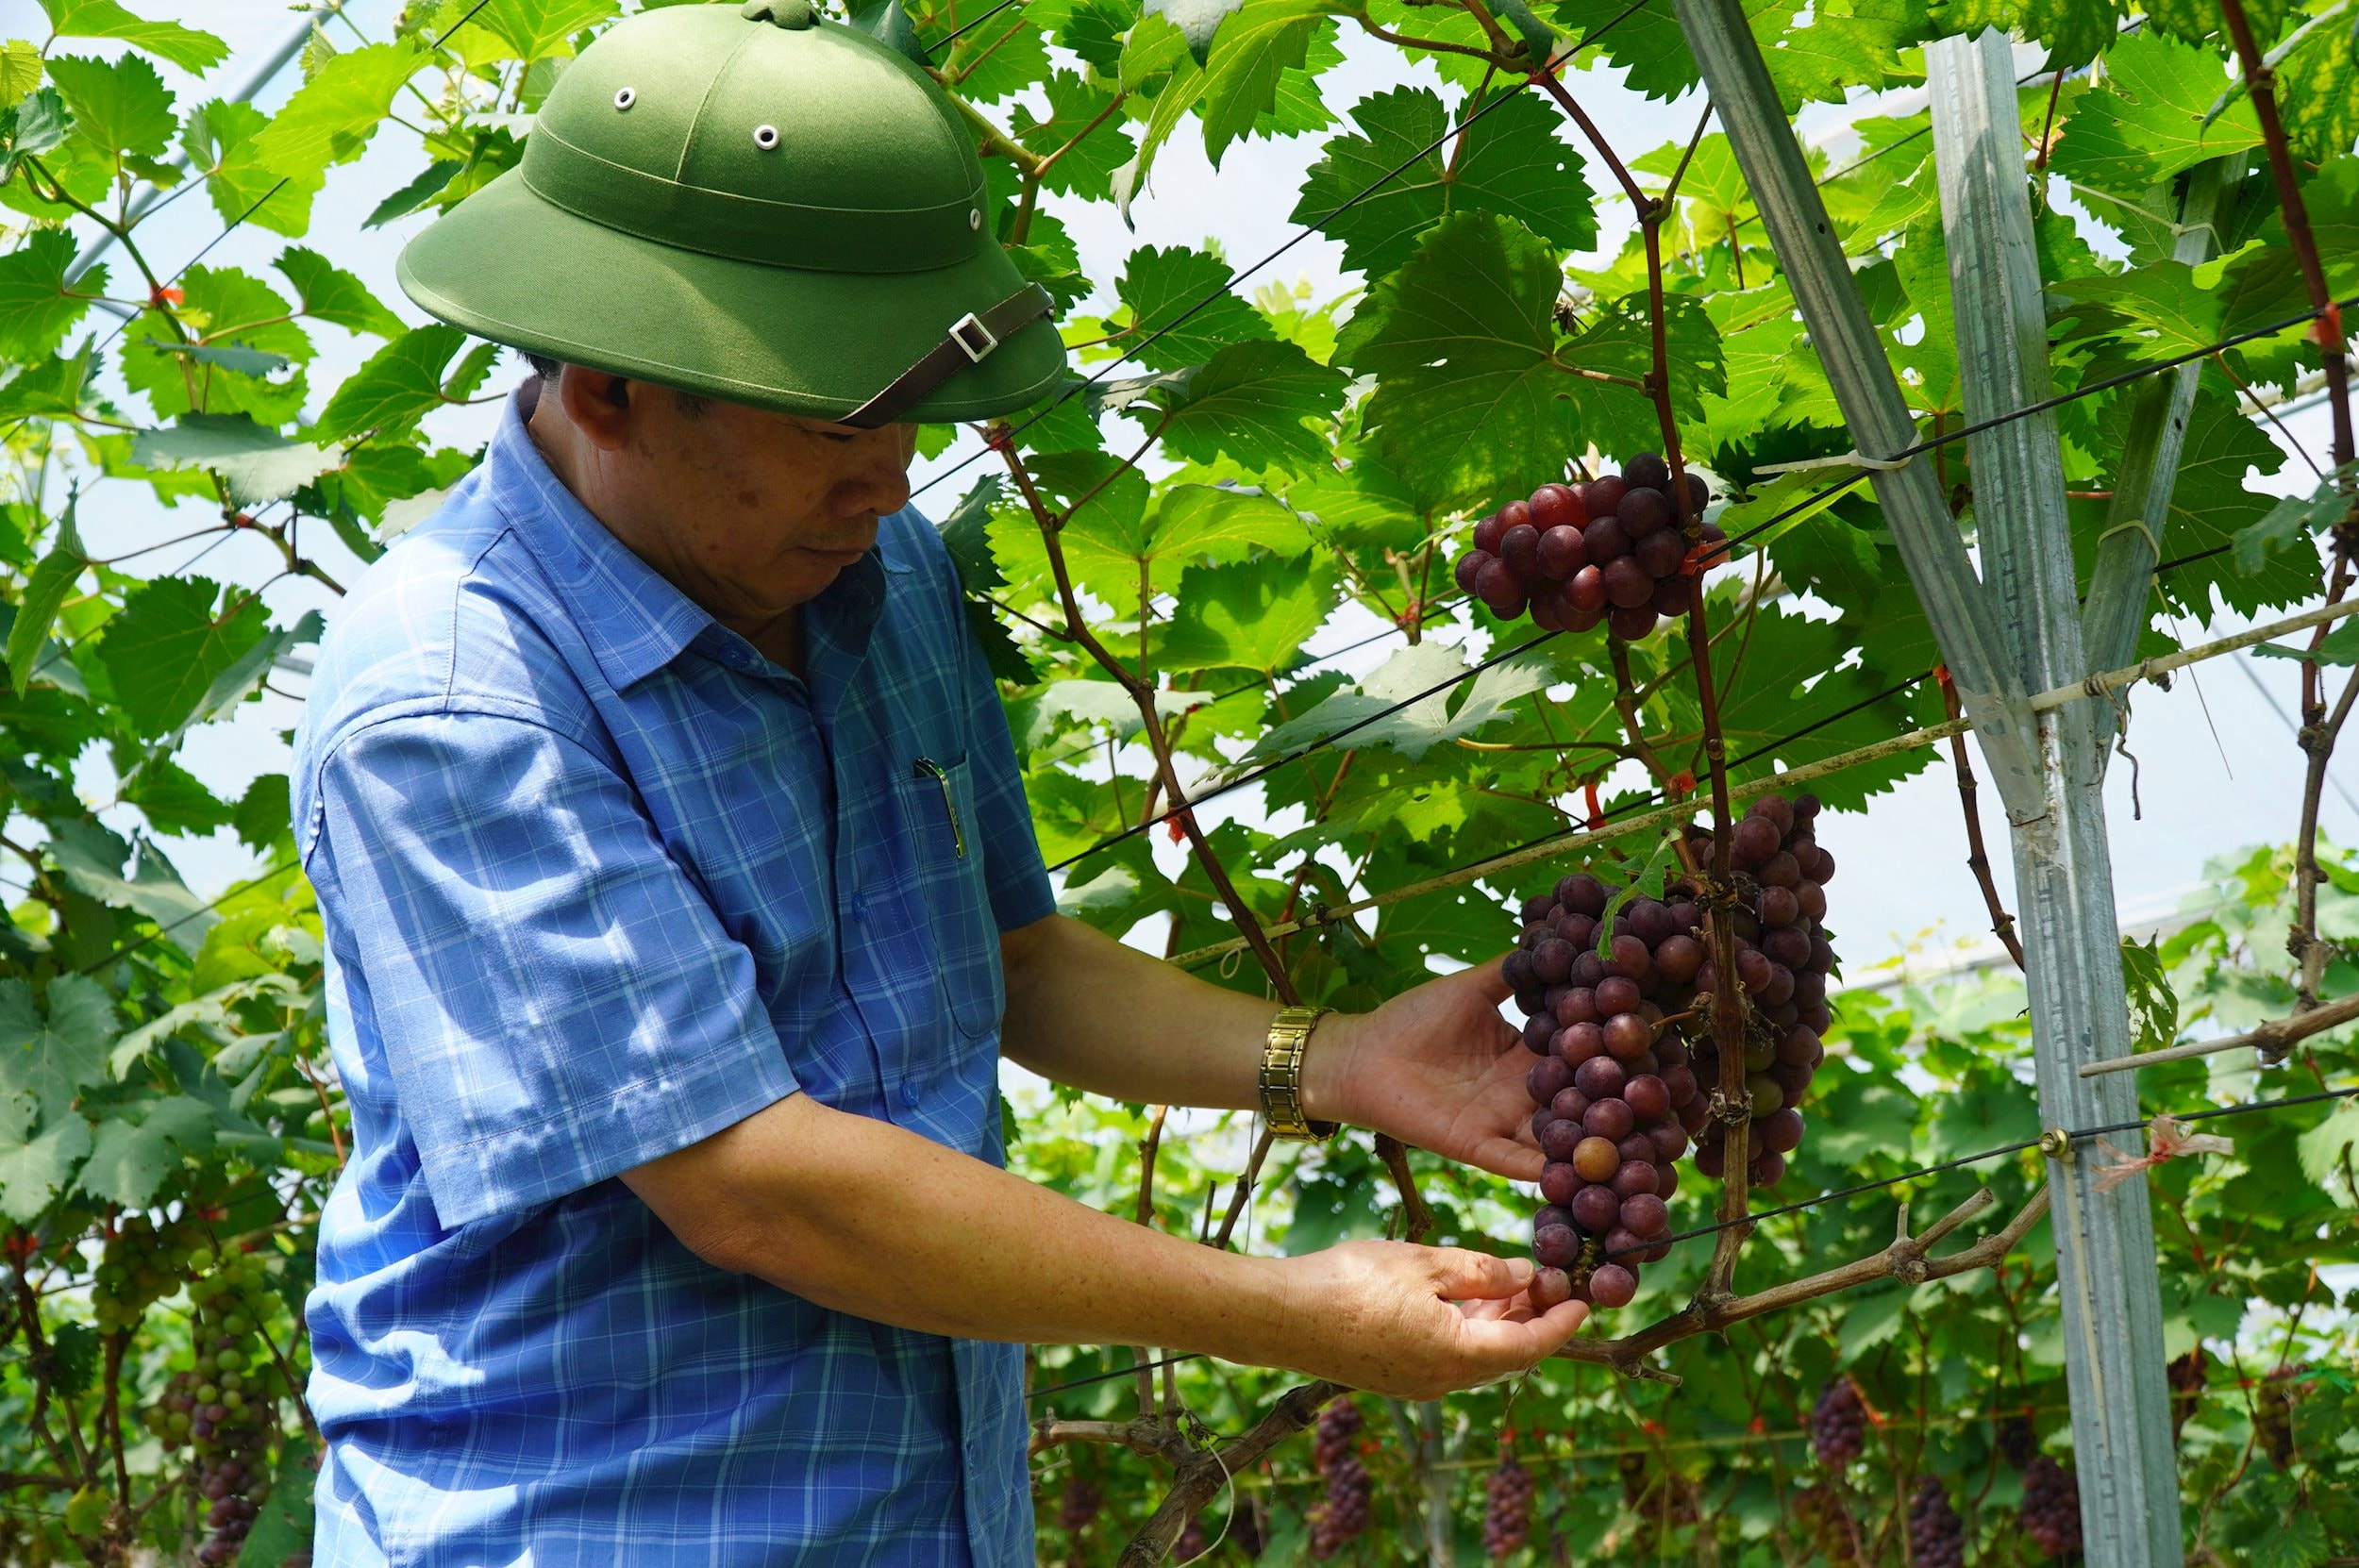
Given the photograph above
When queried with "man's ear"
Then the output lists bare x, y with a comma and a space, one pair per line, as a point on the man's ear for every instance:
598, 404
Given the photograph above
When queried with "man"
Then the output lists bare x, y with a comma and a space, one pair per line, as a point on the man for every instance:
681, 896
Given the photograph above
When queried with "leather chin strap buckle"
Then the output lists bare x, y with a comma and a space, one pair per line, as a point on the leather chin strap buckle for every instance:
970, 341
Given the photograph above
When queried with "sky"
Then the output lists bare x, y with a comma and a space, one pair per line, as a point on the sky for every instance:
2218, 768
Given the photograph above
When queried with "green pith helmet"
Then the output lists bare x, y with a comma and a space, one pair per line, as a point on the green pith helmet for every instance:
757, 204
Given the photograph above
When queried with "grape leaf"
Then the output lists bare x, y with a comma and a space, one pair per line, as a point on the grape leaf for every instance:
45, 593
1471, 401
53, 1048
1449, 704
535, 29
91, 860
2148, 124
1198, 19
19, 71
51, 386
1075, 107
121, 104
264, 814
1164, 290
185, 47
1252, 403
256, 463
2210, 506
2074, 31
173, 800
1245, 615
1249, 53
129, 1159
1512, 163
2324, 1149
32, 1174
2318, 92
331, 117
400, 384
40, 125
171, 637
330, 293
1211, 523
220, 141
415, 195
36, 304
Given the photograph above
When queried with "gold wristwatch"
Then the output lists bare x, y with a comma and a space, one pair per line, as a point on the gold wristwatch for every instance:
1281, 1077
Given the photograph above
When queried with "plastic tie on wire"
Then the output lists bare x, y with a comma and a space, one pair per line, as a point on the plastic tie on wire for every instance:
1841, 459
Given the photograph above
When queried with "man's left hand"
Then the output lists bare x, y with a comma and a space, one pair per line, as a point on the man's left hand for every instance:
1436, 1067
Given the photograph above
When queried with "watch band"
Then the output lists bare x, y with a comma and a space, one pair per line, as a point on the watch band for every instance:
1281, 1077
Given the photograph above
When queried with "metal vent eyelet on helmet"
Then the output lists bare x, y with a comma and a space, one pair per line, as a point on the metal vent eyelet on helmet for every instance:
625, 97
765, 137
974, 217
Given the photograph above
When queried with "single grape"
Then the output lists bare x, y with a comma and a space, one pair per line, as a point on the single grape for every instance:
1550, 1288
1647, 469
1578, 1043
1613, 1285
1557, 506
1627, 1035
1596, 1209
1611, 1119
1646, 1215
1558, 1138
1582, 893
1636, 1176
1519, 547
1595, 1160
1468, 570
1618, 993
1633, 625
1628, 585
1607, 541
1562, 552
1550, 1074
1661, 553
1487, 533
1558, 1183
1644, 510
1556, 1245
1600, 1078
1782, 1132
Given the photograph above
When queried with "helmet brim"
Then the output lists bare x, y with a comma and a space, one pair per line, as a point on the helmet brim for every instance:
507, 265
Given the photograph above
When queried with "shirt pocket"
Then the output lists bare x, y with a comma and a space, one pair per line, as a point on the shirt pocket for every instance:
938, 802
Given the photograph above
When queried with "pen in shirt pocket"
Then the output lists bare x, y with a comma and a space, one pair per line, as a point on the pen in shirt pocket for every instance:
925, 767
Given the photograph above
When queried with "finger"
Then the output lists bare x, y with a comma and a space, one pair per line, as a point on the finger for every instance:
1509, 1346
1462, 1274
1511, 1157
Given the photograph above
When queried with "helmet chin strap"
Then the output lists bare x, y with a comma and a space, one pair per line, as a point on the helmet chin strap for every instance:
969, 341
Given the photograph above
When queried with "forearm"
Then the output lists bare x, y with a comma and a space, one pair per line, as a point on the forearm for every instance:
1085, 1011
869, 1219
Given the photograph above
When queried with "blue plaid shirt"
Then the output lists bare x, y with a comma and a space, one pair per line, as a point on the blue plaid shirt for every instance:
599, 880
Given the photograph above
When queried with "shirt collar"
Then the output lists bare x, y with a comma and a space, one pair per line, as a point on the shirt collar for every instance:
634, 621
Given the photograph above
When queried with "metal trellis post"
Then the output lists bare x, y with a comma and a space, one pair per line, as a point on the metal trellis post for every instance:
1962, 615
2105, 1267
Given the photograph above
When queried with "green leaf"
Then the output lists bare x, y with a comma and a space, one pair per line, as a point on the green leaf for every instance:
185, 47
19, 71
37, 307
284, 1527
1250, 52
2149, 122
2318, 91
45, 593
536, 30
2340, 647
1076, 106
120, 104
91, 860
53, 1049
33, 1174
331, 117
1182, 294
1198, 19
245, 361
222, 144
48, 386
256, 463
173, 637
2288, 526
173, 800
2324, 1147
264, 814
1210, 524
400, 384
330, 293
37, 125
1254, 403
1512, 163
415, 195
2153, 1006
889, 25
1245, 616
1470, 401
129, 1159
964, 535
1448, 705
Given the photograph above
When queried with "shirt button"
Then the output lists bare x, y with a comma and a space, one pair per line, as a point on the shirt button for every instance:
860, 905
910, 1094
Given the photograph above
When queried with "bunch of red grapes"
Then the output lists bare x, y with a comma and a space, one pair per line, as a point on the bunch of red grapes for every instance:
1838, 1425
1936, 1536
1611, 989
1616, 1096
2052, 1508
1350, 1488
1507, 1524
1612, 550
1783, 960
1077, 1509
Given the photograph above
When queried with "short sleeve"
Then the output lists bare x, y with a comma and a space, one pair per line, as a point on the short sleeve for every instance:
1018, 883
556, 1000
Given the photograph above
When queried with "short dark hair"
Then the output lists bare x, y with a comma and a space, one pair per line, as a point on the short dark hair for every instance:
694, 404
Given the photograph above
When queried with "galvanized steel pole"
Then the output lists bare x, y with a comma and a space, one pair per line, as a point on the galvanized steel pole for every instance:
2106, 1268
1962, 614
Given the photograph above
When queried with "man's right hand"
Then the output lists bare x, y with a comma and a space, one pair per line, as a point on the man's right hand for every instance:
872, 1220
1414, 1321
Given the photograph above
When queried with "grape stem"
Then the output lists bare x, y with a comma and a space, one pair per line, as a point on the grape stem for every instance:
1977, 856
1202, 1473
1905, 1261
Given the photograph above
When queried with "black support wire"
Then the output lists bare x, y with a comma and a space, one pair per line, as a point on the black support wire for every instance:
2076, 1137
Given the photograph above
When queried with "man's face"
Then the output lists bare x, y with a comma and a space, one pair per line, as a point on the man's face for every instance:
749, 513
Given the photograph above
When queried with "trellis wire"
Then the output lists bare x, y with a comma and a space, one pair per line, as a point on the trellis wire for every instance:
2075, 1136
